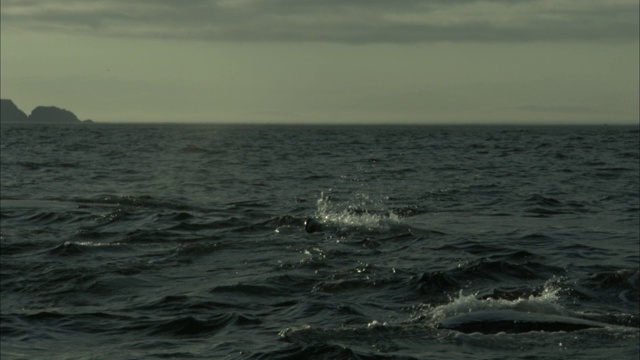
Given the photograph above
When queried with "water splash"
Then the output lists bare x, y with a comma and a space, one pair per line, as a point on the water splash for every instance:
362, 211
546, 303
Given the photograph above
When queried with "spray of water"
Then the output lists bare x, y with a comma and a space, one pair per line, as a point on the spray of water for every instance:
546, 302
361, 211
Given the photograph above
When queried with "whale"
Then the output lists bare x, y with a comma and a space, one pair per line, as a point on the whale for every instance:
312, 225
514, 322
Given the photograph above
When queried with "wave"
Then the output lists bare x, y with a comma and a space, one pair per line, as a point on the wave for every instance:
189, 326
543, 206
613, 287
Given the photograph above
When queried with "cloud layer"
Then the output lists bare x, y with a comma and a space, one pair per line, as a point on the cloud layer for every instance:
333, 21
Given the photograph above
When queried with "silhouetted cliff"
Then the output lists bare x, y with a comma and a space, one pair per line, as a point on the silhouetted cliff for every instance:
52, 114
40, 115
9, 112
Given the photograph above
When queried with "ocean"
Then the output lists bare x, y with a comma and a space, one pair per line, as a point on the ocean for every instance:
167, 241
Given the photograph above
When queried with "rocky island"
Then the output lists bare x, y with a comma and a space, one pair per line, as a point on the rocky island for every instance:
10, 113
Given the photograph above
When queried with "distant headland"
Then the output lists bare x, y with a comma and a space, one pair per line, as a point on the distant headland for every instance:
10, 113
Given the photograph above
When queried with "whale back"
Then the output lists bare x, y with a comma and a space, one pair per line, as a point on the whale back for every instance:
509, 321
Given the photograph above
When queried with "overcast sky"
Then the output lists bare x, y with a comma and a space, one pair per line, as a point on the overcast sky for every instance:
364, 61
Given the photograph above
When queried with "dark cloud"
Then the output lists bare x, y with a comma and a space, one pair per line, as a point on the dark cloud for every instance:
336, 21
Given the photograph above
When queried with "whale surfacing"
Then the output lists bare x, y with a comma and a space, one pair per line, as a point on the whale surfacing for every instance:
312, 225
514, 322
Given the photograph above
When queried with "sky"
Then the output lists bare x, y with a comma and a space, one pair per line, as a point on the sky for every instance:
325, 61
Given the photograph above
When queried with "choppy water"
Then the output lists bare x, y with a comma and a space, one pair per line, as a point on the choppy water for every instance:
187, 241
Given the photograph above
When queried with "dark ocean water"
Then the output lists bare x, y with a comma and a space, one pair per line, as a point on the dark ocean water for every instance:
188, 242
